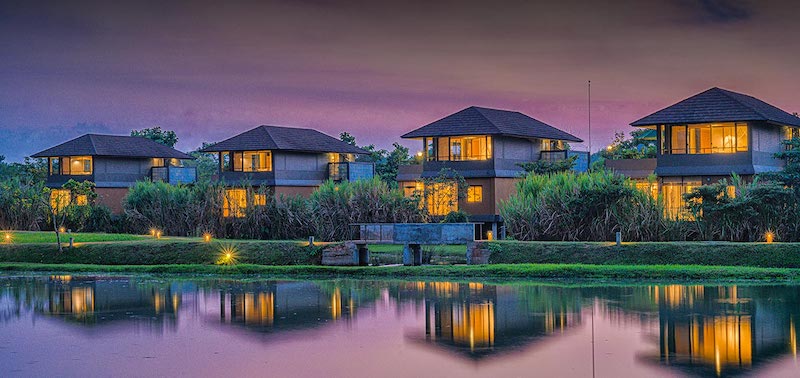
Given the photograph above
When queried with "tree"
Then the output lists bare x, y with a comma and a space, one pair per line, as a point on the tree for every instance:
165, 137
638, 146
347, 138
386, 163
442, 192
59, 206
543, 167
206, 163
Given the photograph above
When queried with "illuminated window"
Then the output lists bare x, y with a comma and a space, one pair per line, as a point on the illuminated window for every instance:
55, 166
81, 199
674, 204
234, 203
225, 161
158, 162
442, 198
475, 194
458, 148
257, 161
59, 199
259, 199
650, 188
76, 165
722, 138
552, 145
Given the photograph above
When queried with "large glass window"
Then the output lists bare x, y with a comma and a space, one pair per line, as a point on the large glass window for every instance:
458, 148
225, 161
722, 138
55, 166
257, 161
552, 145
442, 198
73, 165
475, 194
234, 203
674, 204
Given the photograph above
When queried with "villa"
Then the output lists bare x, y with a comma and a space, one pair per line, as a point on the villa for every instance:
709, 136
286, 160
114, 163
485, 146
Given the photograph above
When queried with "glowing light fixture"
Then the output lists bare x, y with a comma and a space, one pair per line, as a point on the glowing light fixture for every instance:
419, 154
227, 255
62, 230
769, 237
207, 237
7, 237
158, 234
153, 232
489, 235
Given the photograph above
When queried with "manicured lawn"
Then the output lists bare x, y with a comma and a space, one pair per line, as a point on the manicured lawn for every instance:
25, 237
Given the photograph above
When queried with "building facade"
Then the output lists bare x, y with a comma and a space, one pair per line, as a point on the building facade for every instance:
113, 163
486, 147
284, 161
709, 136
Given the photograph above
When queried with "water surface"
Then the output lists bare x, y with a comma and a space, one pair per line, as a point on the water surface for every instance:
145, 326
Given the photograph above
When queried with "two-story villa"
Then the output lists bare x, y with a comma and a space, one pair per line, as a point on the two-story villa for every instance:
114, 163
287, 160
485, 146
706, 137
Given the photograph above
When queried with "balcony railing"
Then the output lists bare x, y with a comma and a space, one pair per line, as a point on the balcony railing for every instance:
553, 156
351, 171
174, 175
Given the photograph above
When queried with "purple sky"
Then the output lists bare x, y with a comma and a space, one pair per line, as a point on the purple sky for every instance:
376, 69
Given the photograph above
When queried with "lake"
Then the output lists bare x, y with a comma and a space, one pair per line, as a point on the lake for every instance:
166, 326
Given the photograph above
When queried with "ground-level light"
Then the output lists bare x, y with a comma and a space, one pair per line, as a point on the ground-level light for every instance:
207, 237
769, 237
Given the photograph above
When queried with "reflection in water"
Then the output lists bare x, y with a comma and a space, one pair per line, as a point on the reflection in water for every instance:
702, 330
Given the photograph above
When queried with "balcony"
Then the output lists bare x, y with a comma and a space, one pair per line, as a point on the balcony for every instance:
351, 171
174, 175
581, 160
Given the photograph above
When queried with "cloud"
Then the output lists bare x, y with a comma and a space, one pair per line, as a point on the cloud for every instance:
717, 11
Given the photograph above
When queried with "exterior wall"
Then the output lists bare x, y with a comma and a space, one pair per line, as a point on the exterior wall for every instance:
291, 191
633, 168
766, 141
288, 169
507, 152
111, 197
120, 172
487, 206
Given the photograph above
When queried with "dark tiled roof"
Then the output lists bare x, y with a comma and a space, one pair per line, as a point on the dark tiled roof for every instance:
112, 145
484, 121
719, 105
284, 138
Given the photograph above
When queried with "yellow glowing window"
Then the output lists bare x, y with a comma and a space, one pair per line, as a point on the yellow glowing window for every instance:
234, 203
475, 194
715, 138
257, 161
650, 188
259, 199
158, 162
81, 199
674, 204
59, 198
442, 198
79, 165
470, 148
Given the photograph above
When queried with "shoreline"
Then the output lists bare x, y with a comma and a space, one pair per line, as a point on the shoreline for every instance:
495, 272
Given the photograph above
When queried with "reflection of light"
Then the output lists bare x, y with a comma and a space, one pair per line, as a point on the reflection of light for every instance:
473, 324
336, 304
793, 339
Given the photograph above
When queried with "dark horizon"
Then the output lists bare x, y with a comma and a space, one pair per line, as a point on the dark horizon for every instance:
376, 70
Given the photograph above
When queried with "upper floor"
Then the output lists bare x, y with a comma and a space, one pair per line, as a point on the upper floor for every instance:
719, 132
483, 142
286, 156
113, 161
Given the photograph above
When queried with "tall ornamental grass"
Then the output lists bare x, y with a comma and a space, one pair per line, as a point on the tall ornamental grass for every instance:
587, 206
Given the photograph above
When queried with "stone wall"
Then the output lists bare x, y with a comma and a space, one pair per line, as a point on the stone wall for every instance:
478, 253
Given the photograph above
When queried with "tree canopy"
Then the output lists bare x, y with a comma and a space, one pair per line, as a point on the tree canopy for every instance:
165, 137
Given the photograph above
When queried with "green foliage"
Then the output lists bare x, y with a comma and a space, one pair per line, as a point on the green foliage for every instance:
165, 137
543, 167
456, 217
174, 209
445, 180
27, 237
205, 163
635, 147
586, 206
22, 204
334, 207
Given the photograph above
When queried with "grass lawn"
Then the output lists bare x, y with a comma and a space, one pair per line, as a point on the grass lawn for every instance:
26, 237
501, 272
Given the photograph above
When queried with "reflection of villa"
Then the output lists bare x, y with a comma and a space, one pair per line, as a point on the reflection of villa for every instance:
90, 300
717, 330
477, 321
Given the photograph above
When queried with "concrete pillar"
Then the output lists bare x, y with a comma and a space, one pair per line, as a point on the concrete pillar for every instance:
412, 254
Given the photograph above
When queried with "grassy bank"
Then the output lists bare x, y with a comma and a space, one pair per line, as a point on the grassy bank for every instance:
28, 237
484, 272
166, 251
776, 255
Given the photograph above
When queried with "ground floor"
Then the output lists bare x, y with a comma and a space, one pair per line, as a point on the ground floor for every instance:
479, 199
109, 197
236, 200
672, 190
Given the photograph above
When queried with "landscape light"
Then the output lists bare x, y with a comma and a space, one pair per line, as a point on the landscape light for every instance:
489, 235
207, 237
158, 234
7, 237
62, 230
227, 256
153, 232
769, 237
419, 154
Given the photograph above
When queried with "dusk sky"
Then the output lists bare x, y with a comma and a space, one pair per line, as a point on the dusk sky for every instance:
377, 69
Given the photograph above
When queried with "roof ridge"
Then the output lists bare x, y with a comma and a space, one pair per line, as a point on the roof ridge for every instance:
729, 94
478, 109
91, 141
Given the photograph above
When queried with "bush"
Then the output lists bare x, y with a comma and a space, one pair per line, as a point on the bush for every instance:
585, 206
